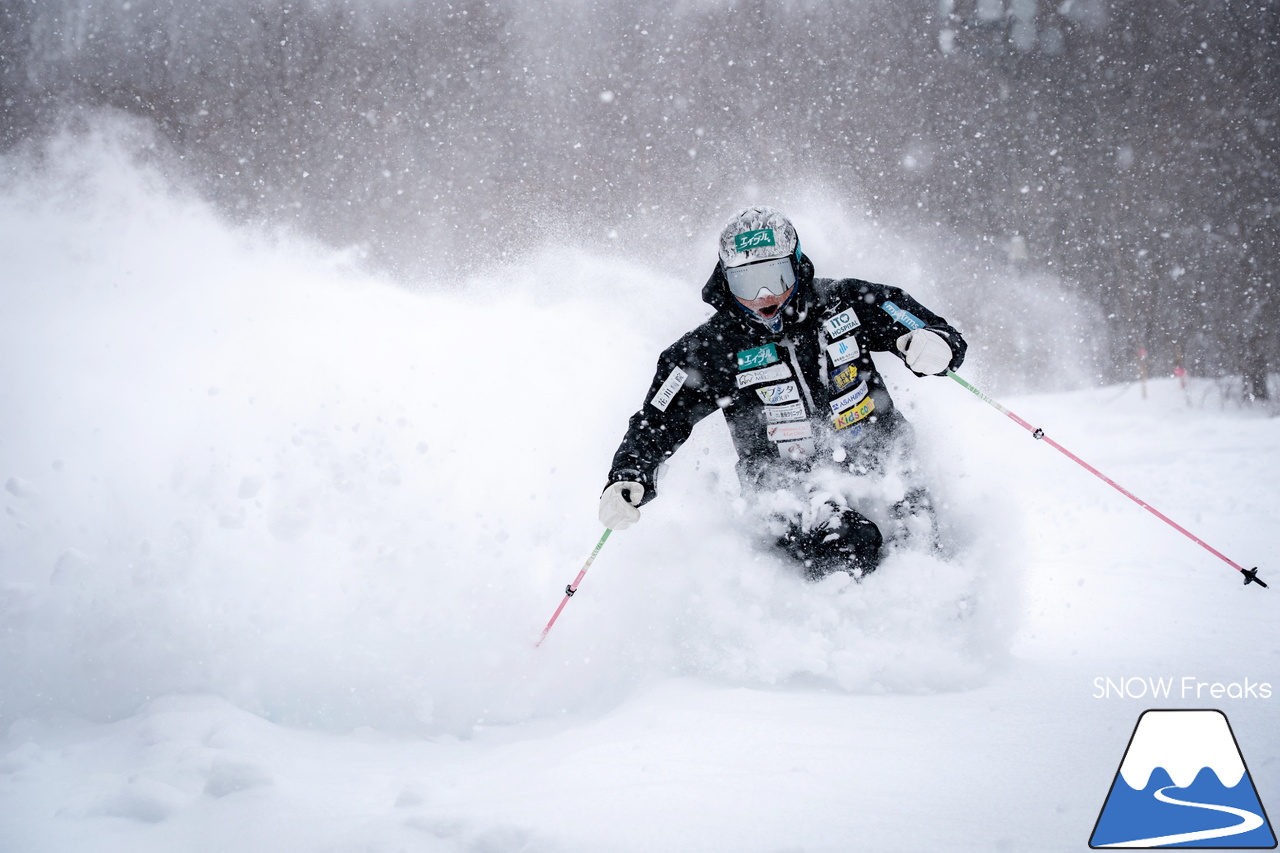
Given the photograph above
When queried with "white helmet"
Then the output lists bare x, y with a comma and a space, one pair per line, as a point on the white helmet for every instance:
758, 234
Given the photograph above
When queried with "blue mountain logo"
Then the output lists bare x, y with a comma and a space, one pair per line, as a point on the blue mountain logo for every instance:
1183, 783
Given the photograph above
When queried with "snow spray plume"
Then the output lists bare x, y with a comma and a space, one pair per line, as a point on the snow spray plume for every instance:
1250, 575
570, 589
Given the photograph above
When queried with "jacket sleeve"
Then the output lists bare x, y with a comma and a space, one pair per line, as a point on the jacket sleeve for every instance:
894, 312
670, 410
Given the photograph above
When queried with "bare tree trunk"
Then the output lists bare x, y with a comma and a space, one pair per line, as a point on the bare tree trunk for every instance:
1255, 372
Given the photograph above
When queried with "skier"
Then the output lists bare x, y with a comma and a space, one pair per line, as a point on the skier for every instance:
787, 359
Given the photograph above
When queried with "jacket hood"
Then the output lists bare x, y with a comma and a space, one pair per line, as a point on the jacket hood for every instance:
716, 293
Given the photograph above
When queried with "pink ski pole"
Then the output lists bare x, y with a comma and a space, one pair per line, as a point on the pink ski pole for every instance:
1250, 575
573, 587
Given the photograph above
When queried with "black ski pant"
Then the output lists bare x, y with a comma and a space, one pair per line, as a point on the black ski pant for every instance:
837, 537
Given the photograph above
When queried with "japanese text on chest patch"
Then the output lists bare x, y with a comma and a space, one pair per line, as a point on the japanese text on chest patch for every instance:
787, 412
749, 359
784, 393
843, 351
842, 379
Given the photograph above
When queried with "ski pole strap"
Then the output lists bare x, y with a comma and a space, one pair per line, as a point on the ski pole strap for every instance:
1250, 575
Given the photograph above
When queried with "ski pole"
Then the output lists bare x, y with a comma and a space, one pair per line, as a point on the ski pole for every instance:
1250, 575
573, 587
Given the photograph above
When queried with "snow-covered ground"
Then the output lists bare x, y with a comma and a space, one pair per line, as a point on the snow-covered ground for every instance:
279, 538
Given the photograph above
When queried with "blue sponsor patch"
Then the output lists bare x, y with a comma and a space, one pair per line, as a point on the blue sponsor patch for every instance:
844, 377
906, 318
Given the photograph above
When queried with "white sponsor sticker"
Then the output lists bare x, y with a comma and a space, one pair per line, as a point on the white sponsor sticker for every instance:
790, 431
797, 450
772, 373
784, 393
789, 412
668, 390
843, 351
841, 324
839, 404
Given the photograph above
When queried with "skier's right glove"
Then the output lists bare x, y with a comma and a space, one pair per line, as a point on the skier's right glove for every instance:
925, 352
618, 504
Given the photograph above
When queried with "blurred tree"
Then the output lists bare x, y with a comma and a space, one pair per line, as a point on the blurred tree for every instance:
1126, 147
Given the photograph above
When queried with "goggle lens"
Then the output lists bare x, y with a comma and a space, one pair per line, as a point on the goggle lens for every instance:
775, 276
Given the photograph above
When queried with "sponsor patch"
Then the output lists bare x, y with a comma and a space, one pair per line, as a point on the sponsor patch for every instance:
797, 450
839, 404
774, 394
843, 351
906, 318
753, 239
668, 390
790, 431
750, 359
841, 324
842, 379
855, 414
789, 412
764, 374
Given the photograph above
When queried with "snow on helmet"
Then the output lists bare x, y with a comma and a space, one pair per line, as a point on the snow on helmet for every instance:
758, 233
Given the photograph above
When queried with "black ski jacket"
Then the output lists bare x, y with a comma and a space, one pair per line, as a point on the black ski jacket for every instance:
792, 399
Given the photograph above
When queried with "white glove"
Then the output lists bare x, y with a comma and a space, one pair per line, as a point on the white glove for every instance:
926, 352
618, 504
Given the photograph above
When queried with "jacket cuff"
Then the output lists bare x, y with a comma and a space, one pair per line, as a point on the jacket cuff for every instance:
634, 475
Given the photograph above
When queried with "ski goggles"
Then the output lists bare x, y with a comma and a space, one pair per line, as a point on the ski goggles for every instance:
775, 276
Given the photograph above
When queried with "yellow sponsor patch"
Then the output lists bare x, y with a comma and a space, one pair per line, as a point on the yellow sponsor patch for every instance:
855, 414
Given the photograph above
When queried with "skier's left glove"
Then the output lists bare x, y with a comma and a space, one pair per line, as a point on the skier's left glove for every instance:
925, 352
618, 504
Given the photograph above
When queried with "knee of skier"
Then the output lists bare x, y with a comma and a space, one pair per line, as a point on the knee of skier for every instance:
866, 546
849, 543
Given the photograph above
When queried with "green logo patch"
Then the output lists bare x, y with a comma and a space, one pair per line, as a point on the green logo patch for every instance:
754, 239
758, 357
